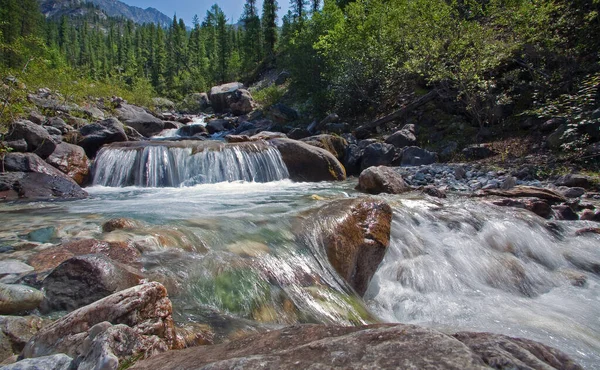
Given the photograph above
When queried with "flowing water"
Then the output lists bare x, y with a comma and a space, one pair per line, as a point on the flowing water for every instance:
236, 255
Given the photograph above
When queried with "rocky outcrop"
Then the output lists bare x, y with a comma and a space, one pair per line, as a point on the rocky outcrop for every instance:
100, 133
375, 346
381, 179
71, 160
355, 234
308, 163
37, 138
220, 96
144, 308
15, 298
142, 121
335, 145
82, 280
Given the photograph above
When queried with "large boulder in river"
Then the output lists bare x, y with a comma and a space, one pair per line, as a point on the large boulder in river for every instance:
100, 133
37, 138
241, 102
144, 308
142, 121
335, 145
355, 234
82, 280
71, 160
384, 346
308, 163
381, 179
220, 96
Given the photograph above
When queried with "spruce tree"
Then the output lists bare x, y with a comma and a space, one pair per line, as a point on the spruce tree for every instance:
269, 26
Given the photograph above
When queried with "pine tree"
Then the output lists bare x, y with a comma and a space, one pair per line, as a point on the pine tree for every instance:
252, 53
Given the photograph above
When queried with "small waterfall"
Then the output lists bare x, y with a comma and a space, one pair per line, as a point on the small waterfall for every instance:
173, 164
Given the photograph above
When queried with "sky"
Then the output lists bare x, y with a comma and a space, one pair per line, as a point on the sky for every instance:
187, 8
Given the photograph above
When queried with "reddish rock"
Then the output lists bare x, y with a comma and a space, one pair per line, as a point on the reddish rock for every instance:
382, 179
119, 224
71, 160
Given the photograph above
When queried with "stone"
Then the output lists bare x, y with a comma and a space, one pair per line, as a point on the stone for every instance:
584, 262
572, 192
268, 135
38, 186
381, 179
403, 138
41, 235
54, 132
475, 152
241, 102
132, 134
508, 183
59, 124
352, 159
82, 280
72, 161
337, 127
120, 224
10, 267
55, 362
434, 192
15, 332
589, 215
36, 117
356, 235
15, 298
335, 145
527, 192
415, 156
308, 163
191, 130
574, 180
137, 117
144, 308
317, 126
383, 346
220, 96
378, 154
564, 212
219, 125
100, 133
281, 113
16, 145
38, 139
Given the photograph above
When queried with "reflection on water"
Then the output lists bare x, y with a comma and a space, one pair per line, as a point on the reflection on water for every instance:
229, 257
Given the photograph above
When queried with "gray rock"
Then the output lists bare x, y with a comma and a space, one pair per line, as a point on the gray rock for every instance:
38, 186
163, 103
36, 118
282, 114
552, 124
337, 127
574, 180
15, 332
17, 145
219, 95
564, 212
18, 298
508, 183
219, 125
38, 139
241, 102
403, 138
59, 124
142, 121
72, 161
195, 103
9, 267
571, 192
381, 179
54, 362
378, 154
475, 152
100, 133
415, 156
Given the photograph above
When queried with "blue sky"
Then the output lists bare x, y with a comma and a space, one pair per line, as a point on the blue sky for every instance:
187, 8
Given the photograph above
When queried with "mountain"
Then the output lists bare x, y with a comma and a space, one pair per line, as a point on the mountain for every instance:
112, 8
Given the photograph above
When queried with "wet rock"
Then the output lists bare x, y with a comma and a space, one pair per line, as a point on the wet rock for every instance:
38, 139
59, 124
42, 235
132, 134
588, 230
583, 262
434, 192
356, 239
564, 212
527, 192
308, 163
574, 180
283, 114
415, 156
10, 267
220, 96
381, 179
15, 332
403, 138
38, 186
571, 192
55, 362
120, 224
142, 121
71, 160
540, 208
475, 152
100, 133
191, 130
589, 215
82, 280
352, 159
144, 308
237, 138
18, 298
241, 102
219, 125
378, 154
374, 346
333, 144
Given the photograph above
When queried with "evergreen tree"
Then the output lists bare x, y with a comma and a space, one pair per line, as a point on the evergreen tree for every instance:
252, 36
269, 26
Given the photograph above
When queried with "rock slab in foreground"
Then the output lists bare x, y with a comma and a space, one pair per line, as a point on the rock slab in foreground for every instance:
308, 163
368, 347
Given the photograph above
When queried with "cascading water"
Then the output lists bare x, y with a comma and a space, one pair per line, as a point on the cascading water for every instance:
172, 164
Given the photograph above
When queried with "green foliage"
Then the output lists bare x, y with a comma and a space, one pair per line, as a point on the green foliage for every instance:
269, 95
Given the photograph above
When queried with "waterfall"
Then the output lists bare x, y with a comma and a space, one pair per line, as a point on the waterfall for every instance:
173, 164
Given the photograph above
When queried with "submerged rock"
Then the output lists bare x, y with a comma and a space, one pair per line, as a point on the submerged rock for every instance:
120, 224
381, 179
144, 308
375, 346
308, 163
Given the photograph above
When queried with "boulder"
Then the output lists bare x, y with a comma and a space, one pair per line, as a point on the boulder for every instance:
479, 151
18, 298
378, 154
308, 163
219, 125
298, 133
132, 134
137, 117
220, 96
59, 124
14, 267
353, 158
38, 186
381, 179
241, 102
30, 162
144, 308
71, 160
15, 332
82, 280
403, 138
281, 113
355, 234
415, 156
36, 117
384, 346
100, 133
16, 145
194, 103
55, 362
564, 212
37, 138
433, 191
192, 130
574, 181
555, 139
317, 126
335, 145
552, 124
574, 192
